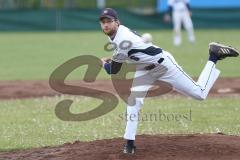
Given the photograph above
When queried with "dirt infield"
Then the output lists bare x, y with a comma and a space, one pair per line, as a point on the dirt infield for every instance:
31, 89
157, 147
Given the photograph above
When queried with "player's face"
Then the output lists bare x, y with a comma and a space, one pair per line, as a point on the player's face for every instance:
109, 26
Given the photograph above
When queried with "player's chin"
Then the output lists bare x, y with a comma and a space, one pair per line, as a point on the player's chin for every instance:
107, 32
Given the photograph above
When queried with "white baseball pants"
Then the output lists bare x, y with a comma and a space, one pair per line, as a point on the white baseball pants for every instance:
176, 77
182, 17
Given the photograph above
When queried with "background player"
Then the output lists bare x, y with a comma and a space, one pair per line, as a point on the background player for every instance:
181, 14
154, 64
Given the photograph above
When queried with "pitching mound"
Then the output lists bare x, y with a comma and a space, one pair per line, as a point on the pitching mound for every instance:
196, 146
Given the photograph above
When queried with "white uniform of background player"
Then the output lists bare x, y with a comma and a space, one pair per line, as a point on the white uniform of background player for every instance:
168, 70
181, 15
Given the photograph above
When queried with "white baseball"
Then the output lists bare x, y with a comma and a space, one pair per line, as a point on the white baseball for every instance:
147, 38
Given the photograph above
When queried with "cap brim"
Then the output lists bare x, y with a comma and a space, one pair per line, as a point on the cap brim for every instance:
106, 16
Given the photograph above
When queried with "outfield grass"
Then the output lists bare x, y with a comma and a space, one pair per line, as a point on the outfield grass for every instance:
26, 55
33, 123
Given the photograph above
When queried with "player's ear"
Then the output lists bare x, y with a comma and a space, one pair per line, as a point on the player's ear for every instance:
118, 22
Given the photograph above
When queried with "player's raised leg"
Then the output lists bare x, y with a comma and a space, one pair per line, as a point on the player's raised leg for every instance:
200, 89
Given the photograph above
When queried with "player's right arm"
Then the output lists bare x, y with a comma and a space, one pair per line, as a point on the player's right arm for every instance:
170, 6
110, 66
188, 7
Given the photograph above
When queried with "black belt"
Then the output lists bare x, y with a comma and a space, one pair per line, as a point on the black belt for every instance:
152, 66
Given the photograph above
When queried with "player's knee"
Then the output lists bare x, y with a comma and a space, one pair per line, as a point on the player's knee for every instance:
200, 97
190, 27
197, 96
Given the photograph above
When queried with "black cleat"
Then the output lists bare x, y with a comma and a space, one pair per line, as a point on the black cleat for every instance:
222, 51
129, 149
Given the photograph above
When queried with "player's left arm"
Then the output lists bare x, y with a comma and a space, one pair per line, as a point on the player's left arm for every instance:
188, 7
167, 15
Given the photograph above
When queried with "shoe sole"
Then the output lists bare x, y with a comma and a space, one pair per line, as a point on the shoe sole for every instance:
125, 151
234, 54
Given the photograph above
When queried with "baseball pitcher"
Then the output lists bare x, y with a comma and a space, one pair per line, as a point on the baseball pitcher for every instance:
155, 64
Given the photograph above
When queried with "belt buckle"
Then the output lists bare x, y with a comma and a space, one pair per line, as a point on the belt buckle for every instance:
150, 67
160, 60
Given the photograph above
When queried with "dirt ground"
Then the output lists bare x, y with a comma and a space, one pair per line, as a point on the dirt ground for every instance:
156, 147
149, 147
37, 88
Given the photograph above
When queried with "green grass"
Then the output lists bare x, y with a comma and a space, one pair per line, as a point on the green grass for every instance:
33, 123
26, 55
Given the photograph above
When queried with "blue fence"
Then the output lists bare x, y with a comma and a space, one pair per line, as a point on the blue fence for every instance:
162, 4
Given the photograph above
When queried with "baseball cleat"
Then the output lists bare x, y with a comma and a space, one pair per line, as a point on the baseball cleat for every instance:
222, 51
129, 149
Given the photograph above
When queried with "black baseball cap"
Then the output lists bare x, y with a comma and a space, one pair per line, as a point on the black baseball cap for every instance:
108, 13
